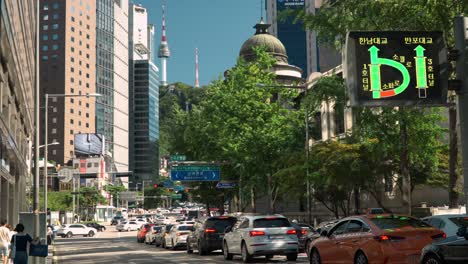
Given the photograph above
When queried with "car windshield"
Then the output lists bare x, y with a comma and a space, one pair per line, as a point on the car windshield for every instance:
391, 222
271, 222
156, 228
220, 224
168, 227
460, 221
185, 228
123, 223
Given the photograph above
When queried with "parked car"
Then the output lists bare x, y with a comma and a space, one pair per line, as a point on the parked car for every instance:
140, 220
161, 238
71, 230
98, 227
301, 231
142, 230
208, 234
128, 226
453, 250
374, 239
177, 237
450, 224
117, 220
150, 237
265, 235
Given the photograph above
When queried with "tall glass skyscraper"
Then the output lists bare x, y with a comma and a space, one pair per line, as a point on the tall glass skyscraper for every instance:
112, 114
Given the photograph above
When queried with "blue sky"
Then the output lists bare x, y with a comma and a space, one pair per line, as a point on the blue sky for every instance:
218, 28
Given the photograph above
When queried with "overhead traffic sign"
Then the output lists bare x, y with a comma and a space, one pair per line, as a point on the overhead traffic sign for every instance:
178, 158
396, 68
225, 185
195, 173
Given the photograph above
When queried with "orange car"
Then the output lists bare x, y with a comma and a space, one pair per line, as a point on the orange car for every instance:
141, 235
379, 239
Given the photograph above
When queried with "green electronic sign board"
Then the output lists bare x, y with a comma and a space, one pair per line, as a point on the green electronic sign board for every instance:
396, 68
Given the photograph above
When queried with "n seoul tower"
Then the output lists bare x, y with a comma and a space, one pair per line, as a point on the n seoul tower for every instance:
164, 52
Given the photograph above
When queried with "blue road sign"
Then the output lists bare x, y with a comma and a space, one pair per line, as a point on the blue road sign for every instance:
225, 185
195, 173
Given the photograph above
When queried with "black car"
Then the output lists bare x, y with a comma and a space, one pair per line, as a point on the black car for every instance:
453, 250
99, 228
302, 230
208, 234
117, 220
314, 234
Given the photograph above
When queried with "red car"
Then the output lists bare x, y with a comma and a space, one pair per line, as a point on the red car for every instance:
382, 239
141, 235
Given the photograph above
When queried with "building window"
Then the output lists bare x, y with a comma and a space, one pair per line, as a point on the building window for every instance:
71, 142
72, 90
72, 19
87, 85
45, 37
54, 120
44, 58
73, 29
55, 16
79, 72
79, 113
54, 152
45, 48
89, 165
55, 5
79, 123
45, 27
54, 131
54, 140
72, 49
55, 26
55, 56
87, 124
87, 56
72, 69
54, 99
72, 39
87, 46
87, 114
55, 36
72, 59
71, 132
79, 102
87, 65
54, 47
54, 109
87, 27
87, 105
45, 7
71, 121
72, 100
45, 17
87, 75
72, 111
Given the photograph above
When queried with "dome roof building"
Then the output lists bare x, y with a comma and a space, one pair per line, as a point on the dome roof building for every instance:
285, 72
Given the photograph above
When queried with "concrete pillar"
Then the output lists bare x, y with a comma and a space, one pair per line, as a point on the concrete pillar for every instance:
4, 201
13, 204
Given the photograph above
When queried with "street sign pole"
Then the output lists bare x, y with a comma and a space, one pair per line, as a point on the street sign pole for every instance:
461, 44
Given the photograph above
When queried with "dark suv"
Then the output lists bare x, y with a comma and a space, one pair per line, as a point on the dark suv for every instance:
117, 219
208, 234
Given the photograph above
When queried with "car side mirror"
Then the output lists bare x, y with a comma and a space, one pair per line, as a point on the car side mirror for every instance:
324, 233
228, 229
462, 232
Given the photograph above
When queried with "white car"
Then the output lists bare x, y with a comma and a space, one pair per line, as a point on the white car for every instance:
140, 221
151, 235
128, 226
266, 235
70, 230
178, 236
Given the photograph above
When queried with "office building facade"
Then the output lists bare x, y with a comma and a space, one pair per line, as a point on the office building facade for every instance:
303, 48
67, 66
112, 115
144, 98
17, 86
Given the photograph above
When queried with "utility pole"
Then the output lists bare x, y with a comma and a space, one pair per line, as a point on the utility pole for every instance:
461, 45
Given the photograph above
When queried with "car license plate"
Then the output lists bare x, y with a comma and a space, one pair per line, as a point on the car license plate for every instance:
276, 237
413, 259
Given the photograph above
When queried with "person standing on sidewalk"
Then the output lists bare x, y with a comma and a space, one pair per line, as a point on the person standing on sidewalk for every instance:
12, 232
4, 241
21, 240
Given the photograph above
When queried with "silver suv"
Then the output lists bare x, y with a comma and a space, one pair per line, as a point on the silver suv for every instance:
260, 235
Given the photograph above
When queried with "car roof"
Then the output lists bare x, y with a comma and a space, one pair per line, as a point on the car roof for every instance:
255, 217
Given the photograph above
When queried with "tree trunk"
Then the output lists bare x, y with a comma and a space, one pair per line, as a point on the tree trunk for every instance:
270, 194
357, 202
453, 160
252, 199
404, 167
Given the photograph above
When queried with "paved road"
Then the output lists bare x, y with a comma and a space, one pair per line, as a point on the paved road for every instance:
112, 247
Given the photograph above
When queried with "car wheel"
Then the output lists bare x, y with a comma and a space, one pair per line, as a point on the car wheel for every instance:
69, 234
307, 246
360, 258
90, 234
315, 257
269, 257
201, 250
432, 259
163, 245
189, 249
173, 245
292, 257
227, 255
246, 257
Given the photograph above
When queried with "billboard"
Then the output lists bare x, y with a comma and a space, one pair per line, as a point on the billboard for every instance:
396, 68
89, 144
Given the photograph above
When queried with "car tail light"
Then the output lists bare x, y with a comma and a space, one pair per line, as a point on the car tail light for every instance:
385, 238
210, 230
304, 232
256, 233
439, 236
291, 232
178, 234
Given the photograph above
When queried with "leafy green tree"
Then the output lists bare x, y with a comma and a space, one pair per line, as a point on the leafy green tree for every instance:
114, 191
90, 197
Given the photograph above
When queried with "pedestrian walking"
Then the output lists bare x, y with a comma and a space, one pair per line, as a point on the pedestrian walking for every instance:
20, 240
4, 241
12, 232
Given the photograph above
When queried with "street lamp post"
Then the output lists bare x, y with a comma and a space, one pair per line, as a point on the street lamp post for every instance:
46, 106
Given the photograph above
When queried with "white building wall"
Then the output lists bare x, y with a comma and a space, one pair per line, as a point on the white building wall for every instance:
121, 94
140, 30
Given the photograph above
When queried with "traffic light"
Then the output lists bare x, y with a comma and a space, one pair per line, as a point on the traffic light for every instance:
155, 185
158, 185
